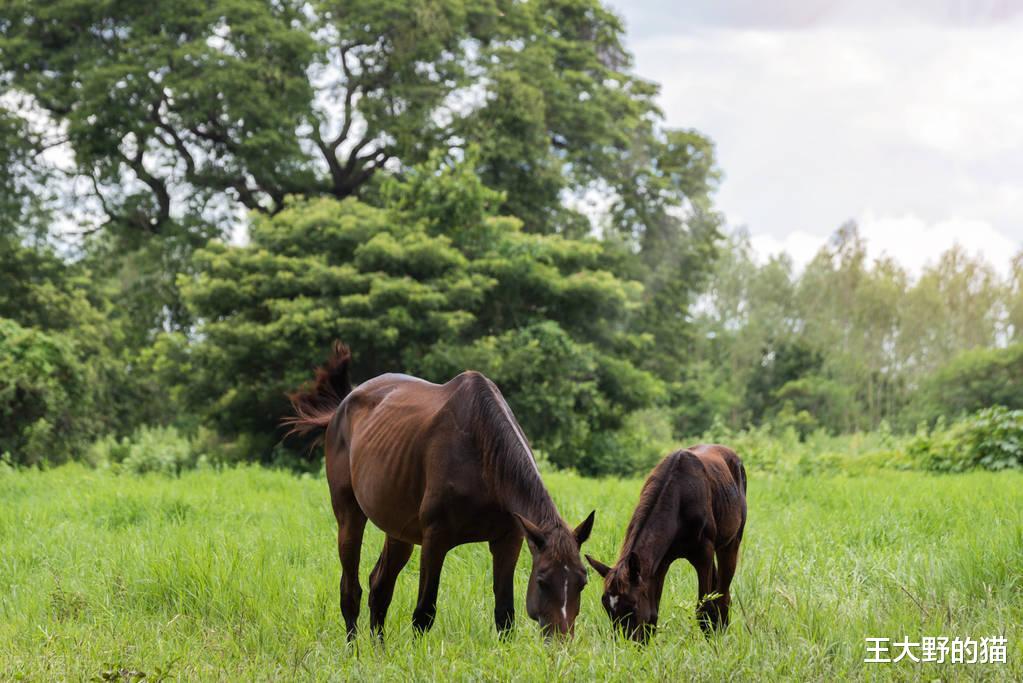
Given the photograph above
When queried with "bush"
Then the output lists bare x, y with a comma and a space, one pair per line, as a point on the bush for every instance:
633, 450
971, 381
148, 449
990, 439
45, 397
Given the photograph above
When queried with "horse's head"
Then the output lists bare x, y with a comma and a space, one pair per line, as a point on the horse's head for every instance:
558, 576
627, 598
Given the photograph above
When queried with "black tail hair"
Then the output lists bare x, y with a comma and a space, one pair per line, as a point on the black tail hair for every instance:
314, 405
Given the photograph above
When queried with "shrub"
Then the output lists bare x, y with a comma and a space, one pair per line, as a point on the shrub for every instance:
971, 381
45, 397
994, 437
645, 438
148, 449
991, 439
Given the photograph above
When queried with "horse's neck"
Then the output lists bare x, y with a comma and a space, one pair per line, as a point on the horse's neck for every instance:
517, 477
526, 494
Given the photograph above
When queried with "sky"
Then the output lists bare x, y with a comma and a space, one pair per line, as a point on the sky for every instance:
905, 116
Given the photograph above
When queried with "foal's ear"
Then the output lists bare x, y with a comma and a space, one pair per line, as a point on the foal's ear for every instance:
601, 568
582, 532
532, 531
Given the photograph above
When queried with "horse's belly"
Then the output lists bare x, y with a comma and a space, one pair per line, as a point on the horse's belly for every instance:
389, 490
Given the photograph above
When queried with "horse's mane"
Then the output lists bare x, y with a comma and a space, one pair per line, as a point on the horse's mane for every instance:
508, 462
654, 487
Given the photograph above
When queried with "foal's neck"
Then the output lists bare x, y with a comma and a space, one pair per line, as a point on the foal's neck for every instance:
654, 535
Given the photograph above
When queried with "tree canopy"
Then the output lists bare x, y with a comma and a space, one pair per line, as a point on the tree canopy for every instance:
177, 112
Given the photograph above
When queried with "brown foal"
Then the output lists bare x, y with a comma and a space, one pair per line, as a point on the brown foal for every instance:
693, 506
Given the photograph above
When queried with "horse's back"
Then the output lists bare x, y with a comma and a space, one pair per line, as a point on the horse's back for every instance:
397, 434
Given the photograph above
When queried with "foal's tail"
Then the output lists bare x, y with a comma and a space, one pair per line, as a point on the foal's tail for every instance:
315, 404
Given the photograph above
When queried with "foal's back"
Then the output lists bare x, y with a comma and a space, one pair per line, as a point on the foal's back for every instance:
718, 479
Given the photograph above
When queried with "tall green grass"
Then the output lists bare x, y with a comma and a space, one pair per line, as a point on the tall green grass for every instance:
233, 575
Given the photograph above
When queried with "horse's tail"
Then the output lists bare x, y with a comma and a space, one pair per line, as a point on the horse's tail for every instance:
315, 404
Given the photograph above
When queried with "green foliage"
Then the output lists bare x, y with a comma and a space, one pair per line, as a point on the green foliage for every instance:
149, 449
45, 402
824, 400
852, 341
414, 173
179, 111
22, 202
536, 312
973, 380
41, 291
990, 439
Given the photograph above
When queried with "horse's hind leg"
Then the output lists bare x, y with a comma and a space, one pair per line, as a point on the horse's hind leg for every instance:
703, 562
381, 581
728, 558
506, 555
351, 522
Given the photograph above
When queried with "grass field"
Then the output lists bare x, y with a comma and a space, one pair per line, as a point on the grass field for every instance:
233, 575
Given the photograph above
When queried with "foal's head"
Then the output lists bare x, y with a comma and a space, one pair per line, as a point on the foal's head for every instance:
627, 597
558, 576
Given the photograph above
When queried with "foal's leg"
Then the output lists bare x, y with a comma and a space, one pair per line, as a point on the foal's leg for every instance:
351, 522
728, 558
506, 554
703, 561
381, 581
431, 561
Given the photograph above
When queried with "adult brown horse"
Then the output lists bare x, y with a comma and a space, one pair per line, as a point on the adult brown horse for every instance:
438, 466
692, 506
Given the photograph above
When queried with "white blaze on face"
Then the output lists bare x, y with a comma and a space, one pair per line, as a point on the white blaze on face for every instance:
613, 601
564, 605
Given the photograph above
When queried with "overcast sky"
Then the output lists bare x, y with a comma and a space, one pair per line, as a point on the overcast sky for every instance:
906, 116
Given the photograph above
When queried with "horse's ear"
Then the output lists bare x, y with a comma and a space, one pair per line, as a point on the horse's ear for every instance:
599, 566
633, 566
582, 532
532, 531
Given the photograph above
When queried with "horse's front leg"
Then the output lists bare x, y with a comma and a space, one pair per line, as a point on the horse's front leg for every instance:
506, 554
381, 581
431, 561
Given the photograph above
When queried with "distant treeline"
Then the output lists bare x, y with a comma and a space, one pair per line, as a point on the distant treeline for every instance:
446, 186
850, 341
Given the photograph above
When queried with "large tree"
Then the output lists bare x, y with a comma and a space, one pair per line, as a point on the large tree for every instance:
425, 287
175, 113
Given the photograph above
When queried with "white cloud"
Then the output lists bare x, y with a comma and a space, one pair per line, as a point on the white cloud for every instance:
915, 243
907, 238
801, 246
913, 130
